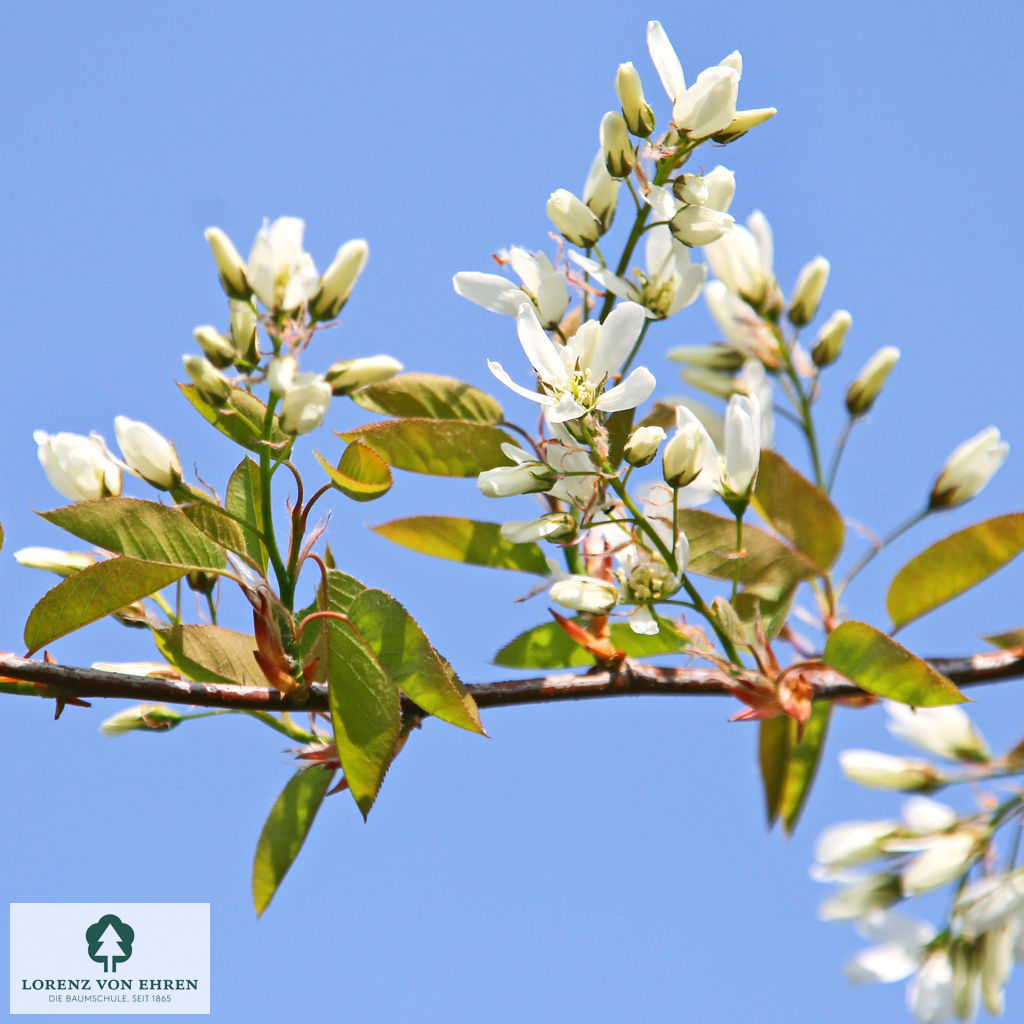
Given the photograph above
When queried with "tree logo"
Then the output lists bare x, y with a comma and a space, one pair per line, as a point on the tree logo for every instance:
110, 942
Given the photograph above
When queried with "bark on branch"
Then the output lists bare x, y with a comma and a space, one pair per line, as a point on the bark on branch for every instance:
63, 682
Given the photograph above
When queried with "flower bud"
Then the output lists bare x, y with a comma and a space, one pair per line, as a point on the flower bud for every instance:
810, 286
853, 842
868, 385
585, 594
742, 446
63, 563
345, 377
574, 220
339, 279
884, 771
209, 381
601, 191
244, 334
945, 731
699, 225
528, 477
683, 457
712, 382
721, 185
148, 453
691, 189
709, 357
230, 264
201, 582
628, 87
709, 105
145, 716
943, 858
830, 338
554, 526
968, 469
80, 468
743, 122
218, 349
281, 372
619, 156
643, 445
305, 404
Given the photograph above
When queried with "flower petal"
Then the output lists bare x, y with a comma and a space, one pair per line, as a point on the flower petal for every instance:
634, 390
618, 336
665, 61
491, 291
539, 348
499, 371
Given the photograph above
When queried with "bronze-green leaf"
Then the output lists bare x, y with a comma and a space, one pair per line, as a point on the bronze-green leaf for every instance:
463, 540
243, 500
878, 664
217, 525
139, 529
285, 831
435, 447
954, 564
1012, 638
241, 419
798, 510
428, 396
362, 474
93, 592
211, 654
789, 765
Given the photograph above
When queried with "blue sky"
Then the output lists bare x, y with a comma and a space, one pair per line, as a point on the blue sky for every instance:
604, 861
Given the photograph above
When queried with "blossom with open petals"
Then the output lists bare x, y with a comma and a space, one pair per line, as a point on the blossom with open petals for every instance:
280, 271
742, 260
541, 284
573, 376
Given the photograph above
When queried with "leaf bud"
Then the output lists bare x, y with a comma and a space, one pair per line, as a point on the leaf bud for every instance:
868, 385
830, 338
339, 279
810, 286
628, 87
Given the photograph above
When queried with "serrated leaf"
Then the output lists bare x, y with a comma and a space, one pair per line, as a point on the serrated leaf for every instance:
217, 525
243, 499
361, 474
424, 395
434, 447
789, 765
798, 510
92, 593
878, 664
241, 419
767, 566
139, 529
954, 564
365, 710
211, 654
549, 646
463, 540
405, 653
285, 831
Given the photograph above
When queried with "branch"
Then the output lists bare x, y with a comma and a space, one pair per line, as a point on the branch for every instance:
44, 679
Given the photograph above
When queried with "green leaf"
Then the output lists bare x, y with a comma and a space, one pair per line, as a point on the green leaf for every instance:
405, 653
92, 593
436, 447
365, 710
285, 831
241, 419
425, 395
211, 654
798, 510
242, 499
217, 525
463, 540
878, 664
768, 566
1013, 638
619, 426
789, 766
953, 565
362, 474
549, 646
774, 606
1, 535
138, 529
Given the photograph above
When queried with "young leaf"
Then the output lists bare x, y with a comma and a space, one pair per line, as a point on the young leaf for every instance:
774, 740
362, 474
878, 664
954, 564
365, 709
1013, 638
425, 395
139, 529
241, 419
211, 654
798, 510
405, 653
242, 499
93, 592
436, 447
619, 426
463, 540
788, 765
218, 526
773, 605
549, 646
285, 831
767, 565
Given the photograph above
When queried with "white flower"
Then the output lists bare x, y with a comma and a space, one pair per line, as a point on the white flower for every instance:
810, 286
945, 731
930, 992
829, 342
941, 858
742, 445
884, 771
63, 563
859, 897
853, 842
148, 453
701, 449
335, 287
80, 468
279, 271
305, 403
552, 526
700, 225
585, 594
573, 376
868, 385
351, 374
721, 185
528, 475
230, 265
968, 469
923, 815
900, 949
670, 282
990, 902
541, 284
665, 61
753, 380
743, 259
601, 191
577, 479
642, 446
573, 218
742, 329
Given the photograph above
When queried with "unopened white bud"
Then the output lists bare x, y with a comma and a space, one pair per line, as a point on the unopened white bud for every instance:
209, 381
699, 225
968, 469
743, 122
642, 446
585, 594
831, 337
244, 334
230, 264
683, 457
574, 220
148, 453
305, 404
619, 156
691, 189
218, 349
63, 563
884, 771
868, 385
554, 526
639, 116
601, 191
80, 468
810, 286
339, 279
345, 377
